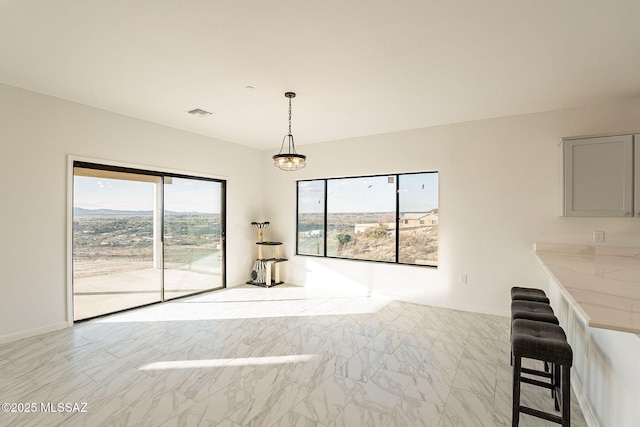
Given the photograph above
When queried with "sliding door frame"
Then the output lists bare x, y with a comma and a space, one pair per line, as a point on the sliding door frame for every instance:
137, 168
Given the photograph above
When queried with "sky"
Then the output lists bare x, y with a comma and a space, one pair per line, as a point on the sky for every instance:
182, 195
418, 193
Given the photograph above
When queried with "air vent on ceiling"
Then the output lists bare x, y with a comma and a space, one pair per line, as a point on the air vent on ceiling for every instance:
199, 112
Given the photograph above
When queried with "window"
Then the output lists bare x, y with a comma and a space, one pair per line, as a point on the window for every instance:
311, 217
385, 218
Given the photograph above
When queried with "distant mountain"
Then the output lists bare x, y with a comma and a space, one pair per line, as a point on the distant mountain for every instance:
115, 212
108, 212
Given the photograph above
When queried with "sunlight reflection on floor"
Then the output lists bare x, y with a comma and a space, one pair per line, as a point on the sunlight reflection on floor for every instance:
234, 303
238, 361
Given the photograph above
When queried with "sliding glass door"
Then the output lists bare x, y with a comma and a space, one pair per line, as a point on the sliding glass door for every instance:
192, 236
142, 237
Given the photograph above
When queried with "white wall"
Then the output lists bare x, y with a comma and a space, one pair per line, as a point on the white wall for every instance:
37, 133
499, 194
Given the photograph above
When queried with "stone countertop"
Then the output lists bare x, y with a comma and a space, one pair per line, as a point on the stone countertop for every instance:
603, 283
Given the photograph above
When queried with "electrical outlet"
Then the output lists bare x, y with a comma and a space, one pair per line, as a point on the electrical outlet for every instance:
598, 236
463, 279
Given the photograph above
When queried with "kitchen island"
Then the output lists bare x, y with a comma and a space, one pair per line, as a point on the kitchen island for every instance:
595, 292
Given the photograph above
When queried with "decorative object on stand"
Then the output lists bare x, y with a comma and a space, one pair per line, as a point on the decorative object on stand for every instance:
289, 161
261, 272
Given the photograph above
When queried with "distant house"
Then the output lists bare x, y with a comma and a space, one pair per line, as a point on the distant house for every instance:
360, 228
418, 219
408, 220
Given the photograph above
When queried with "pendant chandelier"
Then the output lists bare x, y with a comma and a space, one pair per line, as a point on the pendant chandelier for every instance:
289, 161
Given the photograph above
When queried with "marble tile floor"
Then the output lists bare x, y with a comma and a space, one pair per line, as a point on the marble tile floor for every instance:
284, 356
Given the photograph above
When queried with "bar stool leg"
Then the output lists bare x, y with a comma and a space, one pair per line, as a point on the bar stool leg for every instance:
515, 406
556, 392
566, 396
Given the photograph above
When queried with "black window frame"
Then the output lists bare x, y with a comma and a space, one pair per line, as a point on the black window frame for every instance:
397, 217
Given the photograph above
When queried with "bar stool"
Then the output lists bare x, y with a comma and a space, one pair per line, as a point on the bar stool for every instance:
528, 294
546, 342
541, 312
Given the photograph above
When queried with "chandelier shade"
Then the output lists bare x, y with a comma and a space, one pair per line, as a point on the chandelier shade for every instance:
289, 160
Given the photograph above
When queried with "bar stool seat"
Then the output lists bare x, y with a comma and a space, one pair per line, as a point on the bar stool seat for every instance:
546, 342
532, 310
528, 294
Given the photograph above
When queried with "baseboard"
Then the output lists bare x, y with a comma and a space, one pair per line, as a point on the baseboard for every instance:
32, 332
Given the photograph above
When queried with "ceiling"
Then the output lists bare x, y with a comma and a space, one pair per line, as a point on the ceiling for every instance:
359, 67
